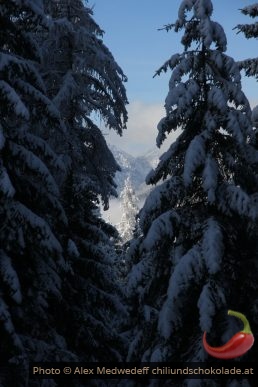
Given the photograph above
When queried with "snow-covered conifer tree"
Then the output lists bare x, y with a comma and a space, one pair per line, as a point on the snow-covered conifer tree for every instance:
83, 78
130, 209
32, 217
250, 31
250, 66
196, 257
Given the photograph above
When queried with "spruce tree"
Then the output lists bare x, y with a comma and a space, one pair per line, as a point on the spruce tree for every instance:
83, 79
250, 66
33, 221
130, 209
250, 31
196, 257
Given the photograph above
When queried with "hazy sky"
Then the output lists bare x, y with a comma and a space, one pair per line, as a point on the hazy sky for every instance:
131, 34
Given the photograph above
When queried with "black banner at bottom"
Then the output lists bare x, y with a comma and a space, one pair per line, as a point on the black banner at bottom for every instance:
227, 370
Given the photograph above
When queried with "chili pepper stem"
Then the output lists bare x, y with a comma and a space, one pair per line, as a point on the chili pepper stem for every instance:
242, 317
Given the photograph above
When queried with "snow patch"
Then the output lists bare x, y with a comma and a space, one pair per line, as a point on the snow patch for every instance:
6, 186
10, 277
194, 158
212, 246
160, 229
189, 269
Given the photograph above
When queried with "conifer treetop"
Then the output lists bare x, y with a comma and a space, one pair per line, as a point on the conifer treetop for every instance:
200, 30
250, 65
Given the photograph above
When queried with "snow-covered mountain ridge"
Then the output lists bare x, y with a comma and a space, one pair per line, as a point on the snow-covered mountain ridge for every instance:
136, 168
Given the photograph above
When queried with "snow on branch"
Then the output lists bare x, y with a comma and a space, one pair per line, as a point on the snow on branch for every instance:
234, 198
160, 230
10, 278
139, 272
212, 245
167, 192
12, 98
194, 158
203, 8
67, 91
217, 100
185, 6
210, 177
6, 321
210, 300
39, 146
189, 270
219, 36
6, 186
36, 223
251, 10
234, 128
29, 160
38, 96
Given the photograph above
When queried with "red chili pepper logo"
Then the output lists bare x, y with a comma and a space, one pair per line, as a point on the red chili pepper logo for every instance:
237, 346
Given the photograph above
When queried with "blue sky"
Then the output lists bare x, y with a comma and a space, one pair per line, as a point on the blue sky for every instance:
131, 34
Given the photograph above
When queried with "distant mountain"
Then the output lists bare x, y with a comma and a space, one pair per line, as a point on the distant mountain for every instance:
152, 156
136, 168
